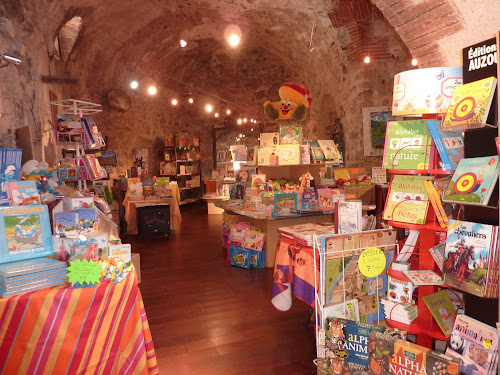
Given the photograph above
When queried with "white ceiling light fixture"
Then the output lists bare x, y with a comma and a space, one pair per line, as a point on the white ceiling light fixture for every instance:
152, 90
183, 43
191, 100
216, 114
414, 62
240, 121
232, 33
134, 85
174, 101
209, 108
8, 59
228, 111
367, 60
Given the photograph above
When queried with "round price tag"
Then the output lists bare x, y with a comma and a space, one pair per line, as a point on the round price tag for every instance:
372, 262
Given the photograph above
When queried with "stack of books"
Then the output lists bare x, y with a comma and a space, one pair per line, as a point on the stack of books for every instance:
303, 234
404, 313
30, 275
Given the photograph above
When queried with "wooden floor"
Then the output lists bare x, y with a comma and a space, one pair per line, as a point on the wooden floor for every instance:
210, 318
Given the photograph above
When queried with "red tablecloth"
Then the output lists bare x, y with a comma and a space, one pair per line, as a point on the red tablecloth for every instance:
102, 330
294, 273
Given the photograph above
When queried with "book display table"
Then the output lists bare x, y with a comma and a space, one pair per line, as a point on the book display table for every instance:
270, 227
75, 331
131, 212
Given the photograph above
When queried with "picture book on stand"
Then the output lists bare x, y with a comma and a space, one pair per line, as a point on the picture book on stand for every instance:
408, 145
473, 181
450, 145
476, 344
25, 233
468, 254
442, 309
470, 105
407, 200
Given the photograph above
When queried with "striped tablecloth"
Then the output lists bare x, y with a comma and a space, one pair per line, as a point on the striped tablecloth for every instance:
60, 330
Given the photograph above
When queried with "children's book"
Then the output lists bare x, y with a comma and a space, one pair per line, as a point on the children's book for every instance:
345, 310
10, 170
122, 251
468, 254
437, 363
87, 220
437, 253
66, 224
423, 277
400, 290
316, 151
450, 145
285, 204
290, 134
309, 199
305, 154
269, 139
407, 200
473, 181
348, 216
356, 341
289, 154
442, 309
258, 178
24, 268
325, 201
253, 240
25, 232
475, 344
408, 145
470, 105
237, 231
330, 149
23, 193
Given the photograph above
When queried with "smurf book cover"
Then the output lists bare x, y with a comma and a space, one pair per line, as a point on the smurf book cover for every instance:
25, 233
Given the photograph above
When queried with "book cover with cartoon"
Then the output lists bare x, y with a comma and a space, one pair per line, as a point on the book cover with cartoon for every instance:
468, 253
442, 309
24, 233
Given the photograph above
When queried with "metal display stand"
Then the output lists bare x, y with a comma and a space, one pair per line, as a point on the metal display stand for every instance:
78, 108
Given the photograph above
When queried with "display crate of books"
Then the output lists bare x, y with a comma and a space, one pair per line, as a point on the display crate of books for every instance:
182, 162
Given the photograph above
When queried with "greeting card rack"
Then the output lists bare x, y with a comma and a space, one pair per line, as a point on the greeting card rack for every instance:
79, 108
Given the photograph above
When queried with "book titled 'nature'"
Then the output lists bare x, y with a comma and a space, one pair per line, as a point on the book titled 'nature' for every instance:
408, 200
408, 145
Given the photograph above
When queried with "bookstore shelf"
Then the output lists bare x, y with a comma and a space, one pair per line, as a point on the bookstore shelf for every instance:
433, 172
431, 225
420, 326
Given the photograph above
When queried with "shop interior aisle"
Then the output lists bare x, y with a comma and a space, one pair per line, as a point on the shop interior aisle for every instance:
209, 318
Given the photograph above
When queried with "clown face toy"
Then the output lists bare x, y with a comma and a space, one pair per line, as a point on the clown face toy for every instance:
295, 99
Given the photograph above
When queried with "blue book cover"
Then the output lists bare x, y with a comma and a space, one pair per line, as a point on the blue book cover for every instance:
23, 193
29, 266
25, 233
450, 145
10, 170
87, 218
65, 224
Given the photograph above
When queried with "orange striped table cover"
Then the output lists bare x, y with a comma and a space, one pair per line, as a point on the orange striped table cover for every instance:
101, 330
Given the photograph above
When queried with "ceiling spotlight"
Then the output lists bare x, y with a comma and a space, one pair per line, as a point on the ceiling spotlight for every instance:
183, 43
134, 85
191, 100
414, 62
209, 108
174, 101
239, 121
228, 111
7, 59
152, 90
251, 130
241, 135
216, 114
367, 60
245, 120
251, 120
232, 33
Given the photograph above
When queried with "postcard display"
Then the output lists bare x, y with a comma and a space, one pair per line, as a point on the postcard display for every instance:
441, 169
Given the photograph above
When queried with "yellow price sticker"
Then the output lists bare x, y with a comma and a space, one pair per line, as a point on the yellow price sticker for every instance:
487, 344
372, 262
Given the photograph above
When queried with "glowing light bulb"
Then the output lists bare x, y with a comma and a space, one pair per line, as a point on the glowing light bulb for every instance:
251, 120
152, 90
233, 40
367, 60
209, 108
183, 43
239, 121
216, 114
245, 120
251, 130
134, 85
174, 101
414, 62
191, 100
228, 111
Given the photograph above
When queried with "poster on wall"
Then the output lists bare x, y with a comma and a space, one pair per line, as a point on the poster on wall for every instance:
140, 160
374, 123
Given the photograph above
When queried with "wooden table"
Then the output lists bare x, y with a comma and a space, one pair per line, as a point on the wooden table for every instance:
270, 227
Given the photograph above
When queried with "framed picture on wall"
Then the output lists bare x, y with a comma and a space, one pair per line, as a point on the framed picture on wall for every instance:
374, 123
221, 155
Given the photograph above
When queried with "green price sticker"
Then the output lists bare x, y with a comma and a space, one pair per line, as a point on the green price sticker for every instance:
84, 271
372, 262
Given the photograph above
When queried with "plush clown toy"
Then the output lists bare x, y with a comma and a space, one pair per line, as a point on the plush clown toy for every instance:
295, 99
